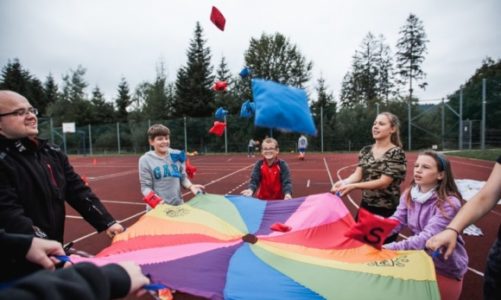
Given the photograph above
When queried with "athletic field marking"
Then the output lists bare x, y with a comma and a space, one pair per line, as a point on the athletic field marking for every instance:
113, 175
308, 183
405, 237
328, 172
238, 186
74, 217
123, 202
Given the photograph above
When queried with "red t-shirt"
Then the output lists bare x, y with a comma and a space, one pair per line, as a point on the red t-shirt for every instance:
270, 187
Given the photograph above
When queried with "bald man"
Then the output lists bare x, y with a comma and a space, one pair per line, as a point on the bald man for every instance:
36, 178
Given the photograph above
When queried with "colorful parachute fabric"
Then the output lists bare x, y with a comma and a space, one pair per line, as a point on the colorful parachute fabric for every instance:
282, 107
218, 128
225, 247
217, 18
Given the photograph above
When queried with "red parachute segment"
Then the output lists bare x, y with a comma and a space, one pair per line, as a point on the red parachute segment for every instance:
217, 18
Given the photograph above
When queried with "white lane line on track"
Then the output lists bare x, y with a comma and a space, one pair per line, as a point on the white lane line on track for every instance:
122, 202
405, 237
238, 187
113, 175
308, 183
74, 217
142, 212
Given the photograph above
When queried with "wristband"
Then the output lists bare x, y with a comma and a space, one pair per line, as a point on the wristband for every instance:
453, 229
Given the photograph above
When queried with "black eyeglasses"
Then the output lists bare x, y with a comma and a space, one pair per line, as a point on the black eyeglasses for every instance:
21, 112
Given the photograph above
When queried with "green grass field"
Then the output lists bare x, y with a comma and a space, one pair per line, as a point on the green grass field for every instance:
489, 154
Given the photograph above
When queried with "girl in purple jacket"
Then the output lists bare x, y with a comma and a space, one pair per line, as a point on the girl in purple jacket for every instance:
426, 208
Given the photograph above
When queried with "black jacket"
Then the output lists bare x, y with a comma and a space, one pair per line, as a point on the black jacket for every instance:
84, 281
36, 179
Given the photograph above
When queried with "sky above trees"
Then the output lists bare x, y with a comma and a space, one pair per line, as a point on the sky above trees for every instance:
127, 39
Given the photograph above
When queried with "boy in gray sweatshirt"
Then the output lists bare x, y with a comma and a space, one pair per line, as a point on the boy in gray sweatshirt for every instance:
162, 170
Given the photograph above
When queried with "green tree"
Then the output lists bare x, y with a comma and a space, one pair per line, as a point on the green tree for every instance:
411, 50
325, 106
123, 100
409, 57
194, 96
274, 57
155, 99
72, 105
227, 99
102, 112
18, 79
369, 80
51, 91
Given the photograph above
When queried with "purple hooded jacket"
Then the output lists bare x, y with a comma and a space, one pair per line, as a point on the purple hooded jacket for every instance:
425, 220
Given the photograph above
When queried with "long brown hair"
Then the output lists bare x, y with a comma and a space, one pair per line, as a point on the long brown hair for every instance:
446, 186
395, 123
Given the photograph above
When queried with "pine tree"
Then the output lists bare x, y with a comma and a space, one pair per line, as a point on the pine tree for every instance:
228, 99
410, 55
326, 106
369, 80
123, 100
194, 96
51, 92
103, 112
17, 79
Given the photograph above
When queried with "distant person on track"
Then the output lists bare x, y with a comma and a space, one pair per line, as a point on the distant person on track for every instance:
162, 171
477, 207
381, 168
302, 144
426, 208
36, 178
81, 281
250, 148
270, 178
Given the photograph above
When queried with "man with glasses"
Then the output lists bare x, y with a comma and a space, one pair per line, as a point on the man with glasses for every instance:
36, 178
270, 178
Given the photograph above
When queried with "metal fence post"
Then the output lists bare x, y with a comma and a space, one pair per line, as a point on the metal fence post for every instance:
90, 140
409, 125
225, 136
322, 129
482, 130
118, 137
443, 124
460, 137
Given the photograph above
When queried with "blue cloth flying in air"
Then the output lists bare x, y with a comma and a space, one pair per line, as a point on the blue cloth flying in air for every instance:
282, 107
220, 113
247, 109
245, 72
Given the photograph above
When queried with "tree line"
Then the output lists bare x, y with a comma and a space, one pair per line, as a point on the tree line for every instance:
376, 80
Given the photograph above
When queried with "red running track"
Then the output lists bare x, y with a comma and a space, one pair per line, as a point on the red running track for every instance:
115, 181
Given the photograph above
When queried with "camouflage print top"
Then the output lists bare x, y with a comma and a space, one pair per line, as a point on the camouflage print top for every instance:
393, 164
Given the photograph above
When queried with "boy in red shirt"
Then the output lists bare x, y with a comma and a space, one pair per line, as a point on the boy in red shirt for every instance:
270, 178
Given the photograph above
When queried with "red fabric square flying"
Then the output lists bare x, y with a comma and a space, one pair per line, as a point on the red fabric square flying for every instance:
218, 128
371, 229
217, 18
